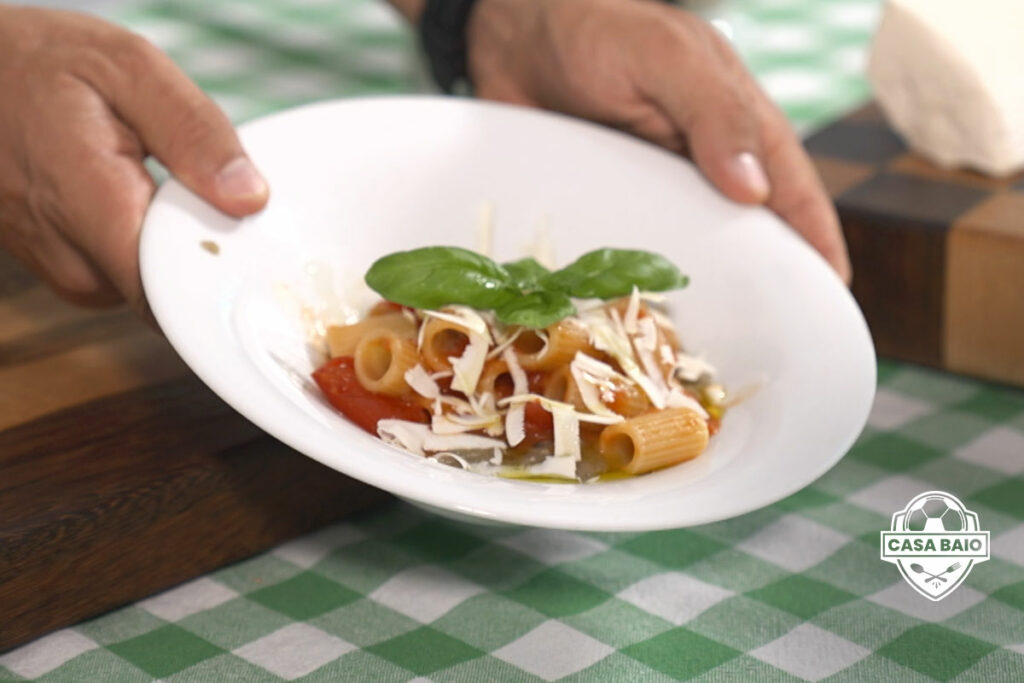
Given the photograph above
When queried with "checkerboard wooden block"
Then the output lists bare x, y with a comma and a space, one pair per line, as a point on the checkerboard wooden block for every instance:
938, 255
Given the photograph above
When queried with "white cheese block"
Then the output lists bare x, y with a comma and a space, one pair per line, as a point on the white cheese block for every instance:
949, 75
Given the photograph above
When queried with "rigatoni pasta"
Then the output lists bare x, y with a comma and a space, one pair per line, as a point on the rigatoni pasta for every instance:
606, 391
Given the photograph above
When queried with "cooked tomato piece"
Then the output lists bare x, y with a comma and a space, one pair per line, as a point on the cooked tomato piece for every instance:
538, 423
337, 379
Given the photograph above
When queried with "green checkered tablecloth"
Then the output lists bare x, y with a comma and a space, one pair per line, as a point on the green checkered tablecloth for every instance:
795, 591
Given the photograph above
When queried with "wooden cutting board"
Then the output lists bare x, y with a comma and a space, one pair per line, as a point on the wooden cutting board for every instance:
121, 474
938, 255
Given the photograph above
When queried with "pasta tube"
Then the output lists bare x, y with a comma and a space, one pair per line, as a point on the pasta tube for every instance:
440, 340
560, 385
654, 440
342, 339
564, 339
381, 360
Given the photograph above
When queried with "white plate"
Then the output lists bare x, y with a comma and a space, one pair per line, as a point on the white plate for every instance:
356, 179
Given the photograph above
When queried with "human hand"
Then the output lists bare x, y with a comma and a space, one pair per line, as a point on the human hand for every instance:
84, 102
664, 75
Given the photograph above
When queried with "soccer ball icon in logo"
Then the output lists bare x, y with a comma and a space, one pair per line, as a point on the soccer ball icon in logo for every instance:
935, 541
934, 514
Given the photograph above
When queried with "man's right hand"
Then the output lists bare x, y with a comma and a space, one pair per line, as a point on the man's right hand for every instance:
83, 104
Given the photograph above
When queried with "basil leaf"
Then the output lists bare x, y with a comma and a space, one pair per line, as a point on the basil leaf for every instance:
536, 309
610, 273
527, 273
433, 277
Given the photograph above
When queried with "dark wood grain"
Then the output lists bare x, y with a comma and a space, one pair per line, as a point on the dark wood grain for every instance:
121, 474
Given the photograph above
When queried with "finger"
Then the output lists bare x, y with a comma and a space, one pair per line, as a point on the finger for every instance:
708, 96
798, 195
181, 126
62, 266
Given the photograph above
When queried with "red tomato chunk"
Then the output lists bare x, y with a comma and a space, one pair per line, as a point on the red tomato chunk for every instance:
337, 379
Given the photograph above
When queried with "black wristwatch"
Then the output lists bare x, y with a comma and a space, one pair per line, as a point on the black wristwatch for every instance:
443, 36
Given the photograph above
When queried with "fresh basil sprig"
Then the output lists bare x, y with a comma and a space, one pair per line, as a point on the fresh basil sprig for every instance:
522, 292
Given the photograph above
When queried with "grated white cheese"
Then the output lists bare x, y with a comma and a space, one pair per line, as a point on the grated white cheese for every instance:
418, 438
606, 337
678, 399
567, 432
551, 405
470, 365
632, 311
691, 368
421, 382
515, 419
485, 229
460, 424
594, 379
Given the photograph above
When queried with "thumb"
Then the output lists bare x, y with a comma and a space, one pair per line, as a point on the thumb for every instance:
184, 129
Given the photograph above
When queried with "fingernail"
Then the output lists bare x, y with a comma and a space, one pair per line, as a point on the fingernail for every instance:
749, 171
240, 179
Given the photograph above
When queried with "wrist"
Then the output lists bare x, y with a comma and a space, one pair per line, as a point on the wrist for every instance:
497, 45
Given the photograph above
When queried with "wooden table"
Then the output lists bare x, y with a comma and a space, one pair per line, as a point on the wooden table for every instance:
121, 474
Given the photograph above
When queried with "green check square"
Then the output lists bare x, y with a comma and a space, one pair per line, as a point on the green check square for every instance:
681, 653
854, 568
731, 531
1012, 595
743, 623
424, 651
557, 594
876, 668
736, 570
437, 541
992, 621
932, 386
486, 668
611, 570
1000, 665
994, 403
936, 651
165, 651
802, 596
865, 623
95, 665
496, 567
803, 500
677, 548
618, 623
617, 667
894, 452
489, 621
365, 565
946, 429
364, 622
224, 668
119, 625
887, 369
234, 623
304, 596
851, 520
1007, 496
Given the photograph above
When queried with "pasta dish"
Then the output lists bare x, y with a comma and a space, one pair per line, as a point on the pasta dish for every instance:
604, 391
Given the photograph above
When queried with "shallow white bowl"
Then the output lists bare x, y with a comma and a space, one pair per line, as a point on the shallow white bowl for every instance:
353, 180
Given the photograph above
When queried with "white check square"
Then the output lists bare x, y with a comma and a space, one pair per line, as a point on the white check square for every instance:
811, 653
674, 596
553, 650
794, 543
425, 593
294, 650
47, 653
187, 599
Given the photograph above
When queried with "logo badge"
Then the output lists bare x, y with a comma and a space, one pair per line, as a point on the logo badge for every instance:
935, 541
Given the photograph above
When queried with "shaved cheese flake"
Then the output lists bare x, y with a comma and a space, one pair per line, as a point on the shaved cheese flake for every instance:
520, 383
667, 355
563, 468
653, 297
498, 457
515, 424
421, 382
460, 424
505, 343
691, 368
403, 434
464, 317
648, 332
678, 399
593, 378
436, 457
470, 364
567, 432
551, 405
632, 312
606, 338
